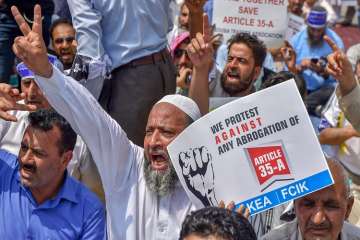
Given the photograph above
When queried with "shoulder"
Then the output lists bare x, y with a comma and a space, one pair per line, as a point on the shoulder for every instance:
351, 232
85, 198
284, 231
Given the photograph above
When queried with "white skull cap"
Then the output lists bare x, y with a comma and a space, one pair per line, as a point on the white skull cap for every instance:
185, 104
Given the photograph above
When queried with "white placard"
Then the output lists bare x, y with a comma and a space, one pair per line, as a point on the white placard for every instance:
266, 19
259, 150
295, 24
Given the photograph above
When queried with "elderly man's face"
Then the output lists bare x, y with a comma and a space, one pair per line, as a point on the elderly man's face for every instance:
240, 71
33, 94
165, 122
321, 215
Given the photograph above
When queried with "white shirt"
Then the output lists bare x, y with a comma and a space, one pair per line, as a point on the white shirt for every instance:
291, 231
81, 165
349, 153
133, 211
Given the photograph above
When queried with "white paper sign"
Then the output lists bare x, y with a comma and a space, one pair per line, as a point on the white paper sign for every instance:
260, 150
295, 24
267, 19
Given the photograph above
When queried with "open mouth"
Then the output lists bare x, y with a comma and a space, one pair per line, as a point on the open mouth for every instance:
233, 74
159, 161
29, 168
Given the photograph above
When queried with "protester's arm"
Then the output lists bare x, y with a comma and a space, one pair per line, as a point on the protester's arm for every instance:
9, 100
201, 53
86, 19
289, 55
348, 90
337, 136
196, 15
112, 151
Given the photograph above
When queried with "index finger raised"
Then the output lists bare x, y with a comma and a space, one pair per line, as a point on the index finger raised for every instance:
331, 43
206, 28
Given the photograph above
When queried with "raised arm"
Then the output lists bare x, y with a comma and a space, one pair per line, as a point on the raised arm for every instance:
201, 53
348, 90
112, 152
196, 15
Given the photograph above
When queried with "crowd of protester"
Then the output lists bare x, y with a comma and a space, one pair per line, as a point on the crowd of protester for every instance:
93, 91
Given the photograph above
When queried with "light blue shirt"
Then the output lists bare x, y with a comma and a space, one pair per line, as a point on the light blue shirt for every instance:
75, 213
304, 50
124, 30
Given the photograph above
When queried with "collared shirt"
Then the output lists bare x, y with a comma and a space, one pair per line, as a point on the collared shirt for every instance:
81, 166
305, 51
133, 211
122, 29
74, 213
291, 231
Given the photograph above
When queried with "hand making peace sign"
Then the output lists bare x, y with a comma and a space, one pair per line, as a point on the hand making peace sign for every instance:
31, 48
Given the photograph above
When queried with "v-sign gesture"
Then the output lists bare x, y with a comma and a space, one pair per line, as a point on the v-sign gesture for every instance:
31, 48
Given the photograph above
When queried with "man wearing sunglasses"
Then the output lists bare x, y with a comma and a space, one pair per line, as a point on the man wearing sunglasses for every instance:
182, 62
63, 41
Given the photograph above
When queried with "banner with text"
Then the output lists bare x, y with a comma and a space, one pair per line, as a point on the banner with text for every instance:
259, 150
267, 19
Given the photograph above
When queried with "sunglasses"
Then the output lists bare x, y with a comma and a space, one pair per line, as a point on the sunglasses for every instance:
61, 40
178, 53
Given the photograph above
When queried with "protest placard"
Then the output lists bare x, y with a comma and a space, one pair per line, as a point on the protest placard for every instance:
295, 24
259, 150
267, 19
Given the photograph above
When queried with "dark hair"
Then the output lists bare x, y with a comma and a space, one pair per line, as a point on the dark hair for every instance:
58, 22
46, 119
218, 222
283, 76
257, 46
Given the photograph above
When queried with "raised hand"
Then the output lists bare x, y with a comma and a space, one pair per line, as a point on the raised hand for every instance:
9, 98
340, 68
289, 56
242, 210
31, 48
200, 50
181, 80
195, 5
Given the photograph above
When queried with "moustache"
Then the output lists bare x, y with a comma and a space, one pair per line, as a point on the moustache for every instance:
324, 225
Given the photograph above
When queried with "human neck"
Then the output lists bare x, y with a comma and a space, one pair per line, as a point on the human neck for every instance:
43, 194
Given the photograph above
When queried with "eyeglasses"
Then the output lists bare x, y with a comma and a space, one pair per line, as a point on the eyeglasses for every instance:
68, 39
178, 53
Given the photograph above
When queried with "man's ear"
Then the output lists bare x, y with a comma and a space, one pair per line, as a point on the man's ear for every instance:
66, 157
350, 203
257, 71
